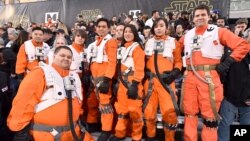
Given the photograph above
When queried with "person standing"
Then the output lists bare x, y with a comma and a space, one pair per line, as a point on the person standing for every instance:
168, 65
31, 52
129, 95
41, 109
59, 41
202, 88
236, 102
77, 47
155, 14
102, 54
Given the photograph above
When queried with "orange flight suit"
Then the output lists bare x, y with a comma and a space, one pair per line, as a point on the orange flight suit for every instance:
90, 104
79, 49
128, 107
106, 69
159, 95
196, 93
23, 108
22, 63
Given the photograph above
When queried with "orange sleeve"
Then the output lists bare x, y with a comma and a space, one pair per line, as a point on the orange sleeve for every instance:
177, 55
29, 93
139, 63
181, 42
21, 61
239, 46
111, 48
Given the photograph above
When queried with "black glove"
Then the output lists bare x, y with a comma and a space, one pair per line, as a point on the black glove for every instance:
23, 135
86, 81
104, 85
133, 90
224, 66
86, 78
20, 77
172, 75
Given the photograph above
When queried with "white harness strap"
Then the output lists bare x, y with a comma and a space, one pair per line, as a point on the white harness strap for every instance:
101, 56
55, 92
127, 59
30, 50
77, 59
168, 47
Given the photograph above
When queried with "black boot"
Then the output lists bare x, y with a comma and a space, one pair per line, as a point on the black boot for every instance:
104, 136
114, 138
150, 139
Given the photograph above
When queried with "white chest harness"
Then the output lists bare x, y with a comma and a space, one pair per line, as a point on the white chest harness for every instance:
55, 88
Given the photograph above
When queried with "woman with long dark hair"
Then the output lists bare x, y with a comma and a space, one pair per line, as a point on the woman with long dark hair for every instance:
129, 97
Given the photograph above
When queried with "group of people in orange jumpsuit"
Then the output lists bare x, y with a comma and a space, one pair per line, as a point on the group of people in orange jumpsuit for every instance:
146, 77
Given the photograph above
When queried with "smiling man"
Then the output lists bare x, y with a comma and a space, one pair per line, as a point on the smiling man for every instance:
41, 104
31, 52
202, 88
103, 66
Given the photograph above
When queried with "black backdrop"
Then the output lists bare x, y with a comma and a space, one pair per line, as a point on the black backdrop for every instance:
67, 10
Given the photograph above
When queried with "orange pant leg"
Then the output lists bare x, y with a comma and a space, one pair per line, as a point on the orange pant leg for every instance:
209, 134
122, 110
125, 106
151, 111
107, 118
167, 109
92, 106
135, 114
190, 107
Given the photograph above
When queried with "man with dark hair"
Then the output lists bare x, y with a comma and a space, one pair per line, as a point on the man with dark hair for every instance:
155, 15
140, 22
202, 88
184, 20
128, 19
48, 103
236, 102
221, 22
31, 52
48, 37
240, 27
103, 66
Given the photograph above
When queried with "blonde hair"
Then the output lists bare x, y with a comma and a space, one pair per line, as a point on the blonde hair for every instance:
54, 44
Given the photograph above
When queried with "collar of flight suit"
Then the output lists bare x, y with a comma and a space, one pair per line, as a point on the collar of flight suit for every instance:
61, 71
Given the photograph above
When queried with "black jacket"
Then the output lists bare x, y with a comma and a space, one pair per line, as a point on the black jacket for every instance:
4, 97
237, 84
9, 60
5, 38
